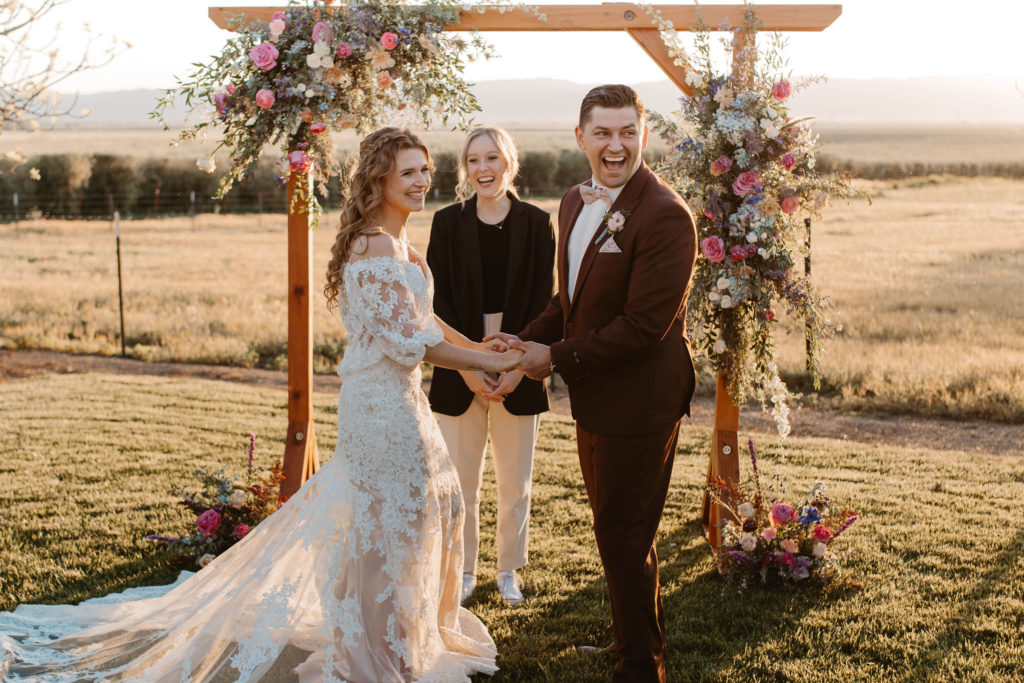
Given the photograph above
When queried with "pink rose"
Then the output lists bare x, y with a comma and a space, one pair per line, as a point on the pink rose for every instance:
781, 514
322, 31
769, 534
785, 559
790, 546
788, 161
747, 181
240, 530
615, 222
220, 100
769, 314
298, 161
264, 56
781, 90
707, 212
713, 248
384, 79
230, 89
344, 50
721, 165
265, 99
317, 127
822, 534
277, 27
790, 205
389, 40
280, 16
208, 522
738, 253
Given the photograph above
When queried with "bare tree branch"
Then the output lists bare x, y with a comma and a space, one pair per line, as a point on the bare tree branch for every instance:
30, 68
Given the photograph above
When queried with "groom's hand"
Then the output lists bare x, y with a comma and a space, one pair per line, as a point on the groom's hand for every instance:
536, 362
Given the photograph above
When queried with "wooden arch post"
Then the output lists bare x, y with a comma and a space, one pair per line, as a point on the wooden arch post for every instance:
300, 453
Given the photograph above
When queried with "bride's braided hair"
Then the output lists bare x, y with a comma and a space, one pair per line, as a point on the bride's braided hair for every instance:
362, 195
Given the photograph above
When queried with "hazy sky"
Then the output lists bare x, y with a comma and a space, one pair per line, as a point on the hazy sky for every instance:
871, 39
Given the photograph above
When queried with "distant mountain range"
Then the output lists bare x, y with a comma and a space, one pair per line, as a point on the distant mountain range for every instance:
544, 101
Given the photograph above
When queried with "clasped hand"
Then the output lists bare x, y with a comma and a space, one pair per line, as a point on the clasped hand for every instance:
536, 362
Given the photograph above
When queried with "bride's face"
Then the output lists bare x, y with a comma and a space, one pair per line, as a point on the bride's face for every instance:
405, 188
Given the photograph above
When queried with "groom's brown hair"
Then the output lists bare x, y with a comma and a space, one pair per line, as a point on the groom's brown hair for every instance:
610, 97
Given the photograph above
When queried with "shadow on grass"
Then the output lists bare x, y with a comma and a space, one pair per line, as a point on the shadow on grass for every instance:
145, 570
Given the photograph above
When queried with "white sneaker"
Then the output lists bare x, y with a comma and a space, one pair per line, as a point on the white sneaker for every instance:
510, 587
468, 586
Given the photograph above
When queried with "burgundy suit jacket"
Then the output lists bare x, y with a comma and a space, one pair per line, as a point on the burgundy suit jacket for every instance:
621, 345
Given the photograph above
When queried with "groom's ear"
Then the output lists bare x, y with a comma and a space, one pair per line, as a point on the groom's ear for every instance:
643, 139
579, 139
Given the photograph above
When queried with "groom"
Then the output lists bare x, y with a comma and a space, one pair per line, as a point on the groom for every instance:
615, 332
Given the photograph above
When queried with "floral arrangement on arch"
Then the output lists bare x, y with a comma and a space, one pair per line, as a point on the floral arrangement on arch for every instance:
770, 541
226, 510
747, 169
317, 68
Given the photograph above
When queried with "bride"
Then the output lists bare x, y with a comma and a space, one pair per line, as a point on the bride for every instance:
357, 577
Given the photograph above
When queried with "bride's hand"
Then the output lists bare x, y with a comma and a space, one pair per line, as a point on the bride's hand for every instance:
507, 360
493, 345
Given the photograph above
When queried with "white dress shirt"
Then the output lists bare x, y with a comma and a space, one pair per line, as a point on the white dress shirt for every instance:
585, 230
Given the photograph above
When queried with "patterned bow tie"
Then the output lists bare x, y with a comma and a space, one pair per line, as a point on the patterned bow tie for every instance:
592, 194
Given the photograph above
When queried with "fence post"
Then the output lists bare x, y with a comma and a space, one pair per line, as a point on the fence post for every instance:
120, 287
192, 207
15, 199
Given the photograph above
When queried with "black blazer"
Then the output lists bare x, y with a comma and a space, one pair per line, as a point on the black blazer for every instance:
454, 259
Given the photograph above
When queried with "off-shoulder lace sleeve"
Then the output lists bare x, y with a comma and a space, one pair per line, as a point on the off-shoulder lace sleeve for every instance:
386, 301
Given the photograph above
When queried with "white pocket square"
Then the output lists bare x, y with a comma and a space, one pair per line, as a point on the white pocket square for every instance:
609, 247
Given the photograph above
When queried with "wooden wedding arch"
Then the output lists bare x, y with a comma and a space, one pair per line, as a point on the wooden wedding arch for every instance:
300, 455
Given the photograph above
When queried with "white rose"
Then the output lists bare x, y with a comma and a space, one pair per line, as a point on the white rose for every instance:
723, 283
238, 498
748, 543
751, 237
326, 63
726, 301
819, 550
322, 49
312, 61
714, 296
762, 252
746, 510
694, 79
719, 346
206, 559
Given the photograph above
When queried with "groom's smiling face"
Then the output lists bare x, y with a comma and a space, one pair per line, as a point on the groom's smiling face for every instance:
612, 139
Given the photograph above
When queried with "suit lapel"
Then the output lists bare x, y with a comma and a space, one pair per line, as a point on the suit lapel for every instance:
627, 201
470, 238
515, 223
573, 208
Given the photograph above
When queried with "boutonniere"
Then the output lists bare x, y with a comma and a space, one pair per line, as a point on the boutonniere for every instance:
613, 221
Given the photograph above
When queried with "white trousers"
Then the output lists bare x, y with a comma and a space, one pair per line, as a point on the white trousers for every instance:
512, 440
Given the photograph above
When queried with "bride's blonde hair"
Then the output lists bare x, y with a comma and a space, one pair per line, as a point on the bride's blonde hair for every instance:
363, 194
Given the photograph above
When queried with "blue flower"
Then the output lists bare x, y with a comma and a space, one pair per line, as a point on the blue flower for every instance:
406, 34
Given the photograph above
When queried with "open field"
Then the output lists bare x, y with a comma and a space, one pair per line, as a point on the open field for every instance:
89, 461
926, 280
865, 143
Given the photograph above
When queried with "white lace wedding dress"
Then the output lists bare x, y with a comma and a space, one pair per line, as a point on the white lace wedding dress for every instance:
356, 578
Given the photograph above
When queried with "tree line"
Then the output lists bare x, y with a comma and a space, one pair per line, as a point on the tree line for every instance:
83, 186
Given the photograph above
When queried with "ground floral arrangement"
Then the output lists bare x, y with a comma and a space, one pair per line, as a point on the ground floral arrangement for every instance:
769, 541
226, 510
317, 67
747, 169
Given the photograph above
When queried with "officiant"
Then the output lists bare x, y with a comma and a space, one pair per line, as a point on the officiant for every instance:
492, 257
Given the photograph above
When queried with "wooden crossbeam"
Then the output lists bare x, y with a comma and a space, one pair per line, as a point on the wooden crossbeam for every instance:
610, 16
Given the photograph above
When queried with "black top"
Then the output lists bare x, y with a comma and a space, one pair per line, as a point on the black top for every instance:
494, 262
456, 255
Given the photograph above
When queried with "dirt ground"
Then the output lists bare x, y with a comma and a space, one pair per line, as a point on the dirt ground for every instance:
970, 436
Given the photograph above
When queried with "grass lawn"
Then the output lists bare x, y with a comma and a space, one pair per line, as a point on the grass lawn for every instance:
87, 464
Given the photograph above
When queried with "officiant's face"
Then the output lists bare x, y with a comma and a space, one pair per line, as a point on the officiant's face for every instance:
612, 139
486, 168
405, 188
